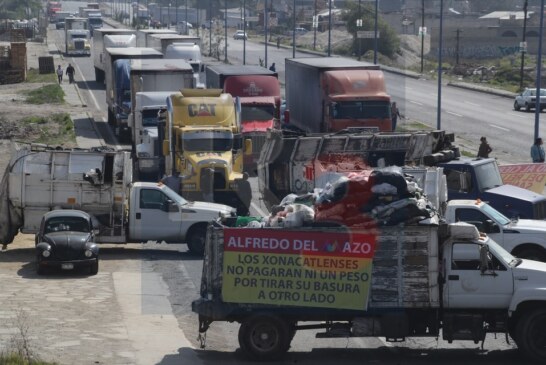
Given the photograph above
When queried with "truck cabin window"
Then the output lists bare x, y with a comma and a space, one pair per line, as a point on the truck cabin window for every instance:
472, 216
488, 176
207, 141
150, 117
460, 181
152, 199
258, 112
360, 110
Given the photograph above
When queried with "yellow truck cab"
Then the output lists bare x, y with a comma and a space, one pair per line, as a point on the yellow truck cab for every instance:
203, 141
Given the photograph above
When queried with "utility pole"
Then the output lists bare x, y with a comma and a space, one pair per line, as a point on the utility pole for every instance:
330, 28
294, 30
266, 26
458, 36
440, 45
539, 69
225, 31
210, 27
358, 27
315, 26
422, 35
244, 32
522, 48
375, 34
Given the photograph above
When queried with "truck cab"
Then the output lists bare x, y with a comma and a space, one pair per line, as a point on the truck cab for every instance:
481, 179
524, 238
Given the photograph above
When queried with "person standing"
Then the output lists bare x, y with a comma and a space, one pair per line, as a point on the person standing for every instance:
484, 149
60, 73
537, 151
70, 72
173, 181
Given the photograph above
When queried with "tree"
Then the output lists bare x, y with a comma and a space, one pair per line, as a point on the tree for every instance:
388, 43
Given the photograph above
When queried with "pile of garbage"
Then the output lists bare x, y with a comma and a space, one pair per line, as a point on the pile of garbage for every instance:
367, 199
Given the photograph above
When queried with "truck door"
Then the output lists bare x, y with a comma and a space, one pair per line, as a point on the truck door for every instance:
468, 287
156, 217
483, 222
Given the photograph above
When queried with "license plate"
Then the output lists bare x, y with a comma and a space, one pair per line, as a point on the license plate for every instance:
67, 266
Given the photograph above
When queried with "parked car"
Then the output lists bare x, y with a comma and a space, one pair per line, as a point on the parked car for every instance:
527, 99
66, 240
240, 35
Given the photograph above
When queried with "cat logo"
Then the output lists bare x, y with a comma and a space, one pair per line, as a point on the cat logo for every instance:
202, 110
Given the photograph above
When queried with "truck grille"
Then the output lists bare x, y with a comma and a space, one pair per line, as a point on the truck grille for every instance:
213, 176
79, 45
258, 141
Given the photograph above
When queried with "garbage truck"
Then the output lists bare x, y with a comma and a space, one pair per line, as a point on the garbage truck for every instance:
396, 282
39, 179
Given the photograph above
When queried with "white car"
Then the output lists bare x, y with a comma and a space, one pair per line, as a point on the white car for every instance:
527, 99
240, 35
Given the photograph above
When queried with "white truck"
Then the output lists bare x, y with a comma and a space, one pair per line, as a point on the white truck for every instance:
524, 238
151, 82
143, 35
100, 183
76, 36
395, 282
190, 52
109, 38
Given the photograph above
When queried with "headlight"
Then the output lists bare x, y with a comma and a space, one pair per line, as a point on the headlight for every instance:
88, 253
46, 253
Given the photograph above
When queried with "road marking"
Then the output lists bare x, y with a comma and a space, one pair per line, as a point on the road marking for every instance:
501, 128
473, 104
415, 102
455, 114
87, 85
518, 115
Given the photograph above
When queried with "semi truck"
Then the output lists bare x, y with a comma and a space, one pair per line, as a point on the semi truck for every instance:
40, 179
190, 52
117, 78
151, 82
300, 163
95, 19
344, 93
395, 282
143, 35
162, 40
76, 32
203, 142
260, 94
109, 38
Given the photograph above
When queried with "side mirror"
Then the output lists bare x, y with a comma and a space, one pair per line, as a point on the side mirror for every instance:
287, 116
491, 227
484, 258
248, 146
172, 207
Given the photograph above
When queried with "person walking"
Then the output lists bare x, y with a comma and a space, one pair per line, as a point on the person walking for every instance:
60, 73
537, 151
485, 149
395, 114
272, 67
278, 42
70, 72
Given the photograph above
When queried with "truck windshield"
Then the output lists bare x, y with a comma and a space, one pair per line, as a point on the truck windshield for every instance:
488, 175
495, 214
79, 36
210, 141
149, 117
361, 109
501, 254
96, 22
258, 112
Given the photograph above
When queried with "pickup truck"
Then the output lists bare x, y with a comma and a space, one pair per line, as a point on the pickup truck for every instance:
524, 238
394, 282
100, 184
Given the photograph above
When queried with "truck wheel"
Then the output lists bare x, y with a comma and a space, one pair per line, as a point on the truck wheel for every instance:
94, 268
264, 337
531, 334
196, 241
532, 254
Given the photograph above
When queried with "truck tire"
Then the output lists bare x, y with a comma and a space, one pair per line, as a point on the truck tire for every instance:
264, 337
94, 268
532, 253
196, 240
531, 334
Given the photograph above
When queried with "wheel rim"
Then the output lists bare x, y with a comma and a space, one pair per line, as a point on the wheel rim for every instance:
264, 337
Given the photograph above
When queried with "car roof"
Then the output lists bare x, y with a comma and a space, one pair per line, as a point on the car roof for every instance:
66, 213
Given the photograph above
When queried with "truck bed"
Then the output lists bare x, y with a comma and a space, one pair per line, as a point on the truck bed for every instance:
403, 275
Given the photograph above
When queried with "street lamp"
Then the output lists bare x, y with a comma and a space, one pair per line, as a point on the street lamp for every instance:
539, 69
439, 107
329, 28
294, 30
244, 32
522, 48
210, 27
375, 34
358, 27
225, 31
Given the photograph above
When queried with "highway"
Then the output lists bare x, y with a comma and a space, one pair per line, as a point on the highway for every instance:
468, 114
